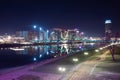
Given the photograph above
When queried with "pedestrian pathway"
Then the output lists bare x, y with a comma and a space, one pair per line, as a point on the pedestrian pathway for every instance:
84, 70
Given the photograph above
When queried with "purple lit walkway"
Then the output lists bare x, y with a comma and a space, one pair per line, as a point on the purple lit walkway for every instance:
14, 74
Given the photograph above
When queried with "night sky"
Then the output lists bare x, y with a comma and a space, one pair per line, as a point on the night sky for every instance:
86, 15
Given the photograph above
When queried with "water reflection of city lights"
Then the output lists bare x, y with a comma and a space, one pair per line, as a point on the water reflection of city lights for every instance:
92, 44
55, 56
47, 52
40, 55
36, 47
34, 59
65, 45
52, 51
17, 49
64, 41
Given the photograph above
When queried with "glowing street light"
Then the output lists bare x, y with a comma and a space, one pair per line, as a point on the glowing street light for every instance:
101, 48
96, 50
86, 53
75, 59
62, 69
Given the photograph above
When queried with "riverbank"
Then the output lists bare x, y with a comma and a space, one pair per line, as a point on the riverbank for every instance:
88, 67
46, 70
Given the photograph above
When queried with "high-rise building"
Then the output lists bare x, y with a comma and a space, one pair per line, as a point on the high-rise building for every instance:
108, 29
56, 34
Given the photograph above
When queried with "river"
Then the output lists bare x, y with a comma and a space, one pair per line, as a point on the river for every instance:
18, 56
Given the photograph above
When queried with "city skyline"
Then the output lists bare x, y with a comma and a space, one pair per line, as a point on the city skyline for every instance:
87, 16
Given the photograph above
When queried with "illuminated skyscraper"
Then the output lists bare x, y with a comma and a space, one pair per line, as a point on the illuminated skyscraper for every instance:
56, 34
108, 29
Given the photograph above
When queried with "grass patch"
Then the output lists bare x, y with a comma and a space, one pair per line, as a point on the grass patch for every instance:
109, 67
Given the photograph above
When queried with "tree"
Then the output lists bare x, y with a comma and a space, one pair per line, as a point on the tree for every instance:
112, 51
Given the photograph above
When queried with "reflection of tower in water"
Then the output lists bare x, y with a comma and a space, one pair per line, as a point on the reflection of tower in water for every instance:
108, 29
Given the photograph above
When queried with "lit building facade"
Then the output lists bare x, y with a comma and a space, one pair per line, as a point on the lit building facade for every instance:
29, 36
62, 34
55, 34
